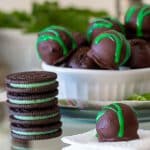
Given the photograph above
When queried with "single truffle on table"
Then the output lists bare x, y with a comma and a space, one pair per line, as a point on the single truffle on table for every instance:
55, 44
116, 122
110, 50
80, 60
140, 54
137, 21
99, 25
80, 39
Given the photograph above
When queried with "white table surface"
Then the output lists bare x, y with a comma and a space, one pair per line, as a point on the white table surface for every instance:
70, 127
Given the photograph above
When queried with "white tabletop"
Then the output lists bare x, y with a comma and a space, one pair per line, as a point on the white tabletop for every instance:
70, 127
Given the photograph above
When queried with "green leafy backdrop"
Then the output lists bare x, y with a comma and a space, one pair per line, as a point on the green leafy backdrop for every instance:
49, 13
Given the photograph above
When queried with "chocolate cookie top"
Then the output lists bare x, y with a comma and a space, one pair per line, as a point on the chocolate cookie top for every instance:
30, 77
36, 133
31, 82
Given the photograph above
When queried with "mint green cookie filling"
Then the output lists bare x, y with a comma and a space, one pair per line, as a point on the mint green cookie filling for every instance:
32, 85
26, 102
34, 133
29, 118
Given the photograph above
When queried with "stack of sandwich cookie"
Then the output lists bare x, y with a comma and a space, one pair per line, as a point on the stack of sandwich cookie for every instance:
17, 144
34, 113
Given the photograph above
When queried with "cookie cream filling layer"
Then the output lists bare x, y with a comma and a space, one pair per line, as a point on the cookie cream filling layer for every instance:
34, 133
30, 118
32, 85
32, 101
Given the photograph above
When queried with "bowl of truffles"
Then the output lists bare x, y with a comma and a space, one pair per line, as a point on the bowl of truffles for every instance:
109, 62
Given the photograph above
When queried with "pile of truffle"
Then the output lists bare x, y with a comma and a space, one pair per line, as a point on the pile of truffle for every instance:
108, 44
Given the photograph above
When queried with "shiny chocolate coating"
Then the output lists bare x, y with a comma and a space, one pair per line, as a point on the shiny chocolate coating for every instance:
137, 21
79, 59
116, 122
80, 39
55, 44
104, 52
140, 54
100, 25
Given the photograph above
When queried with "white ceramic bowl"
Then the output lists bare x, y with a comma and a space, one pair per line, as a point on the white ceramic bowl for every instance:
93, 85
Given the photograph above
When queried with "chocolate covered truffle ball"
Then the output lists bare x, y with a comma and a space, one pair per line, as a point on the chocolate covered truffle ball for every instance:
99, 25
116, 122
80, 39
80, 60
110, 50
140, 54
55, 44
137, 21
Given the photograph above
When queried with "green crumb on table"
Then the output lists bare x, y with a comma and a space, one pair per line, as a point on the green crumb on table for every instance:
138, 97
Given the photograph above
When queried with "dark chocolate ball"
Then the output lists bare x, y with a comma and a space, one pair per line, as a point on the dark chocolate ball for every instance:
116, 122
80, 59
80, 39
55, 44
140, 54
99, 25
110, 50
137, 21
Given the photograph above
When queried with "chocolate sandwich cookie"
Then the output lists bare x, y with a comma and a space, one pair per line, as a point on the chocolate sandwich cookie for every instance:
34, 117
31, 82
17, 144
32, 100
36, 133
54, 118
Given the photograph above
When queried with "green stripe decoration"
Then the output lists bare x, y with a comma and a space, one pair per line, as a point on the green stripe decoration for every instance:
34, 133
55, 36
119, 23
116, 39
47, 37
130, 13
143, 11
74, 44
119, 39
118, 110
32, 85
33, 101
98, 23
33, 118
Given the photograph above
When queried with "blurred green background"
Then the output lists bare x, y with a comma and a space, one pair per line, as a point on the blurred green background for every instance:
49, 13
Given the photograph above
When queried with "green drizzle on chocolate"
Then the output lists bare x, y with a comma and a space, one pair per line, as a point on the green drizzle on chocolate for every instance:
143, 12
130, 13
74, 44
52, 33
118, 110
98, 23
119, 39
